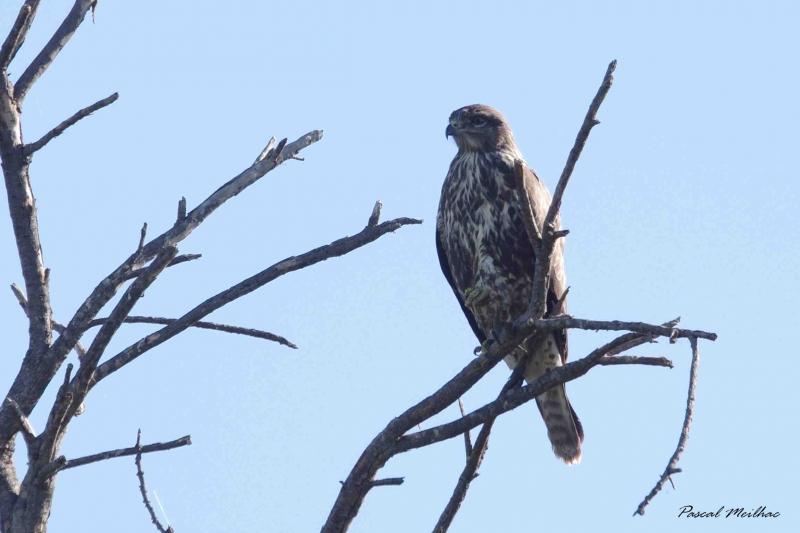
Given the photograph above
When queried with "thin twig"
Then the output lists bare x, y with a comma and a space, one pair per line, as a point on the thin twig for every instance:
257, 333
672, 466
177, 261
568, 322
635, 360
143, 487
63, 463
467, 438
388, 481
468, 474
478, 452
71, 121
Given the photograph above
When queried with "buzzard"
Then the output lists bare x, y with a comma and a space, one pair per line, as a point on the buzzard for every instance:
488, 260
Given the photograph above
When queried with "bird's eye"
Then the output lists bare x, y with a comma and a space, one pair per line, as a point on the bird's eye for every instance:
479, 122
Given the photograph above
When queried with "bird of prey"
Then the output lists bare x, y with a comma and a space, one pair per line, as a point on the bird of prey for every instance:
488, 260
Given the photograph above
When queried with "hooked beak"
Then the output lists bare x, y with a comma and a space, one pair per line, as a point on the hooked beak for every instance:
449, 132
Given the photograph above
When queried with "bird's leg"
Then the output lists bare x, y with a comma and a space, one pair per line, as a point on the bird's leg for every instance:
482, 300
477, 296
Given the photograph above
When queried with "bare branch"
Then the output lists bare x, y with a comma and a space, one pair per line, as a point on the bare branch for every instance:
589, 122
526, 208
142, 237
108, 287
672, 466
63, 463
19, 30
388, 481
510, 400
265, 152
544, 253
68, 404
143, 488
467, 475
467, 438
28, 433
177, 261
181, 209
277, 156
71, 121
375, 217
476, 455
257, 333
118, 315
635, 360
335, 249
48, 54
57, 326
568, 322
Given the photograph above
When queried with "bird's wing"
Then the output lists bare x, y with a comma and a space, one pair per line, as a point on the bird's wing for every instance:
449, 277
540, 200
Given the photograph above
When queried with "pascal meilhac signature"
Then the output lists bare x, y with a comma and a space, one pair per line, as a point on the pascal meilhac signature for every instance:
688, 511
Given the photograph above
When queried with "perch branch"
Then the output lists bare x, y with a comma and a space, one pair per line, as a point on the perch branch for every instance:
672, 466
143, 487
635, 360
61, 128
257, 333
511, 400
62, 463
48, 54
335, 249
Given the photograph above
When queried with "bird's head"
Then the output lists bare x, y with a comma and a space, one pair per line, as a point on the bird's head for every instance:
480, 128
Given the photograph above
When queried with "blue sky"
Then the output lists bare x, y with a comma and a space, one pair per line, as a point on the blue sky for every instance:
684, 203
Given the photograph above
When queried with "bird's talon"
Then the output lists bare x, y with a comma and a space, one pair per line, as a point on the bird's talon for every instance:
476, 296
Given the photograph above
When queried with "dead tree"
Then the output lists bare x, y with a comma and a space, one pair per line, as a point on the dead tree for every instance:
398, 437
25, 504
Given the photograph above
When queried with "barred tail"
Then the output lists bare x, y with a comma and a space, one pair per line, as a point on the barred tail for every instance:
564, 429
563, 426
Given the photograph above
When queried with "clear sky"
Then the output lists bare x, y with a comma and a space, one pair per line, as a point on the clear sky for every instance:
685, 202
